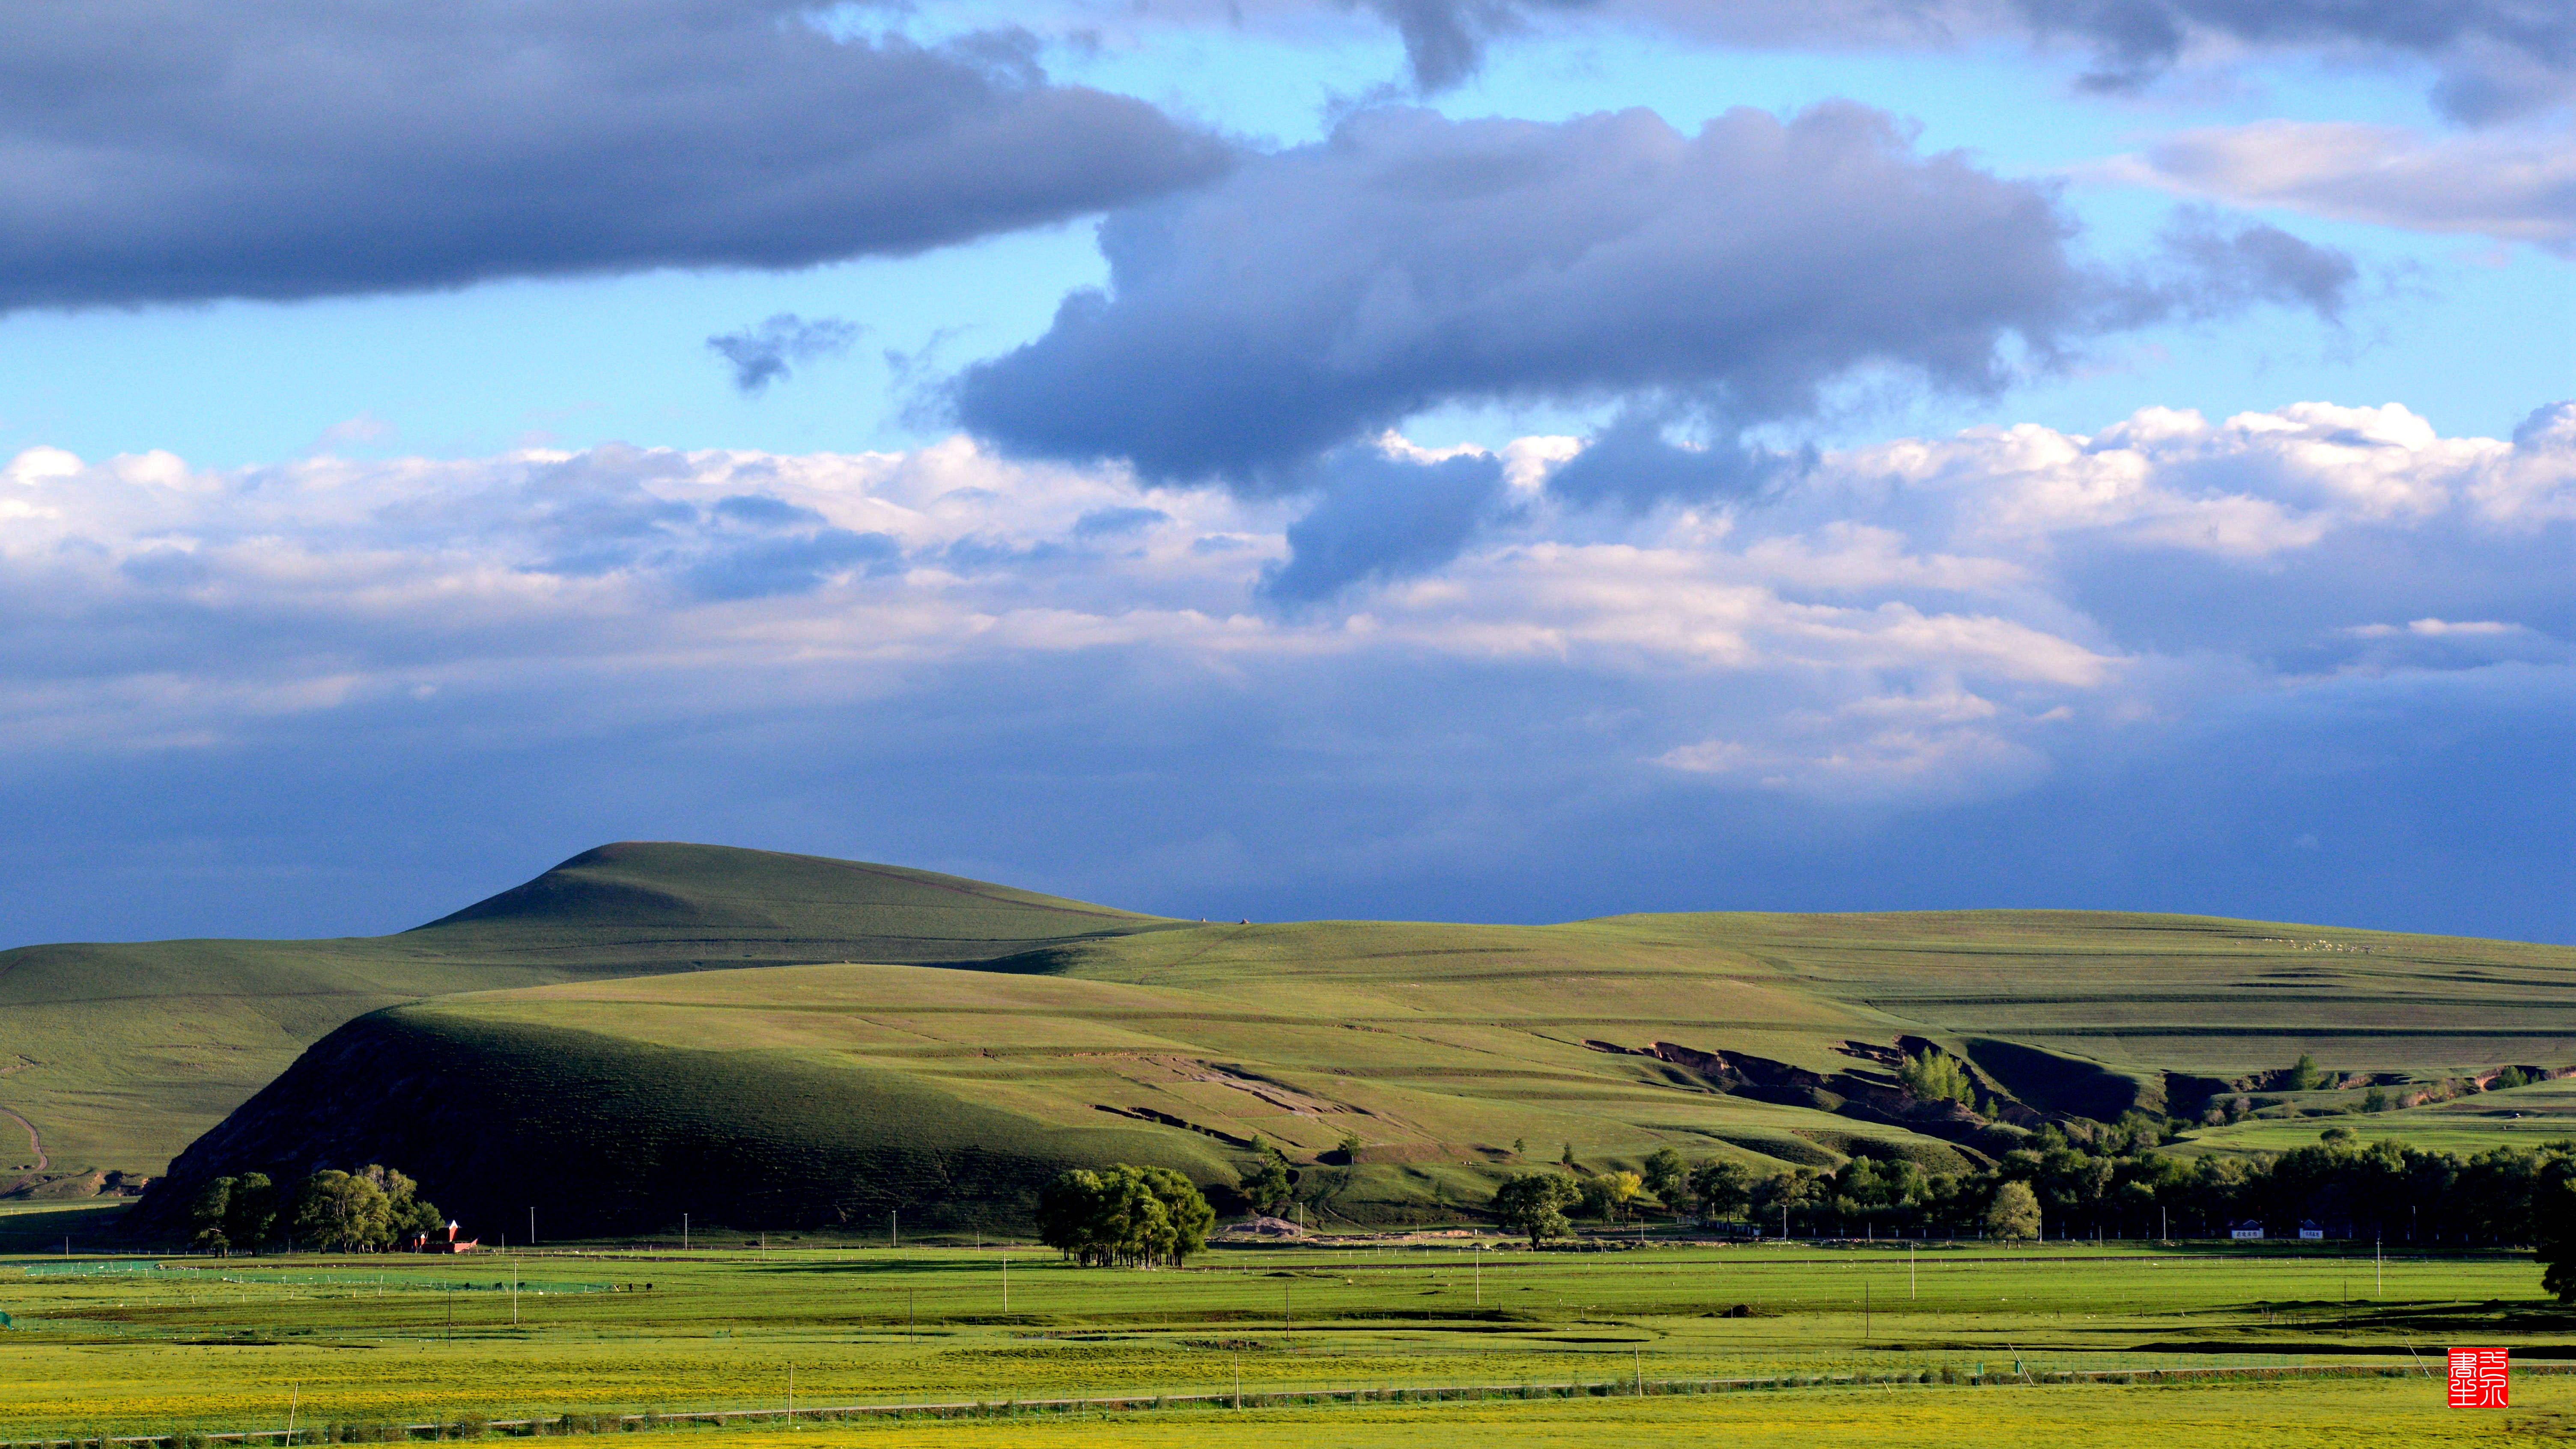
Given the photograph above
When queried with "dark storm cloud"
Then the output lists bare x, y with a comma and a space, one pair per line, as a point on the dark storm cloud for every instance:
153, 151
1319, 296
764, 354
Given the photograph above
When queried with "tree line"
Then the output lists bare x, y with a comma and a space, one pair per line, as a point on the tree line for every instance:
2107, 1180
369, 1210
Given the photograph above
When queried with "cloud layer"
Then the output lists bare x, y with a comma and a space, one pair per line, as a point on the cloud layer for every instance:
1923, 626
168, 152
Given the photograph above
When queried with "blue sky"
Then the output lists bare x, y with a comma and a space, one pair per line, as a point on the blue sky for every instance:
1227, 460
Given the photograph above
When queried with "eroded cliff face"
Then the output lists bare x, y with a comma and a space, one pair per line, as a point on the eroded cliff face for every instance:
2017, 1086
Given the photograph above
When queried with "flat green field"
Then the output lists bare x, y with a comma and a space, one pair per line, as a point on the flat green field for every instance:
2400, 1414
236, 1343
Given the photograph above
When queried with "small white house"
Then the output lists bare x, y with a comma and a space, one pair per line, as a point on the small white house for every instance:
2246, 1231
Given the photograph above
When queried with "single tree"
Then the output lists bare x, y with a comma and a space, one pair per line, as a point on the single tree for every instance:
1565, 1159
1072, 1216
1721, 1188
1667, 1177
1534, 1203
1188, 1207
213, 1204
2303, 1074
2014, 1212
251, 1215
1608, 1195
1267, 1184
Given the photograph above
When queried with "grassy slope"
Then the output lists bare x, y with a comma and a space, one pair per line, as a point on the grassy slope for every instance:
2521, 1117
121, 1054
1437, 1046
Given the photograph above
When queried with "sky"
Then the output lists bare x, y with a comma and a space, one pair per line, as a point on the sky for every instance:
1499, 460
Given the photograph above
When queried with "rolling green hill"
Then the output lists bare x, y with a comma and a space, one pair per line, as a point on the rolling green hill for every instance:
822, 1094
116, 1056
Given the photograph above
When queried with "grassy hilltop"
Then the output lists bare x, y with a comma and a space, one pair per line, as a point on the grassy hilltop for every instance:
746, 1036
996, 1036
119, 1055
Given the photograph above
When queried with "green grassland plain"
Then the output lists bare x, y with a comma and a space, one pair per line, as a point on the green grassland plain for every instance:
378, 1339
2328, 1416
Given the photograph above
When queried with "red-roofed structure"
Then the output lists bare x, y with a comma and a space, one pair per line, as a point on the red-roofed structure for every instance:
431, 1243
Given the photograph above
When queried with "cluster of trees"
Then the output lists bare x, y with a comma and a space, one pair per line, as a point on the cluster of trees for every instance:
1938, 1077
2088, 1180
364, 1211
1139, 1217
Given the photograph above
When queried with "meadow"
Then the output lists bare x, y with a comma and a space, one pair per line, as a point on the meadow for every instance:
218, 1345
2522, 1117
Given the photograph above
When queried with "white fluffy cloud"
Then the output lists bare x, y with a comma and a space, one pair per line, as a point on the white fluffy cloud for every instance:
1921, 620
